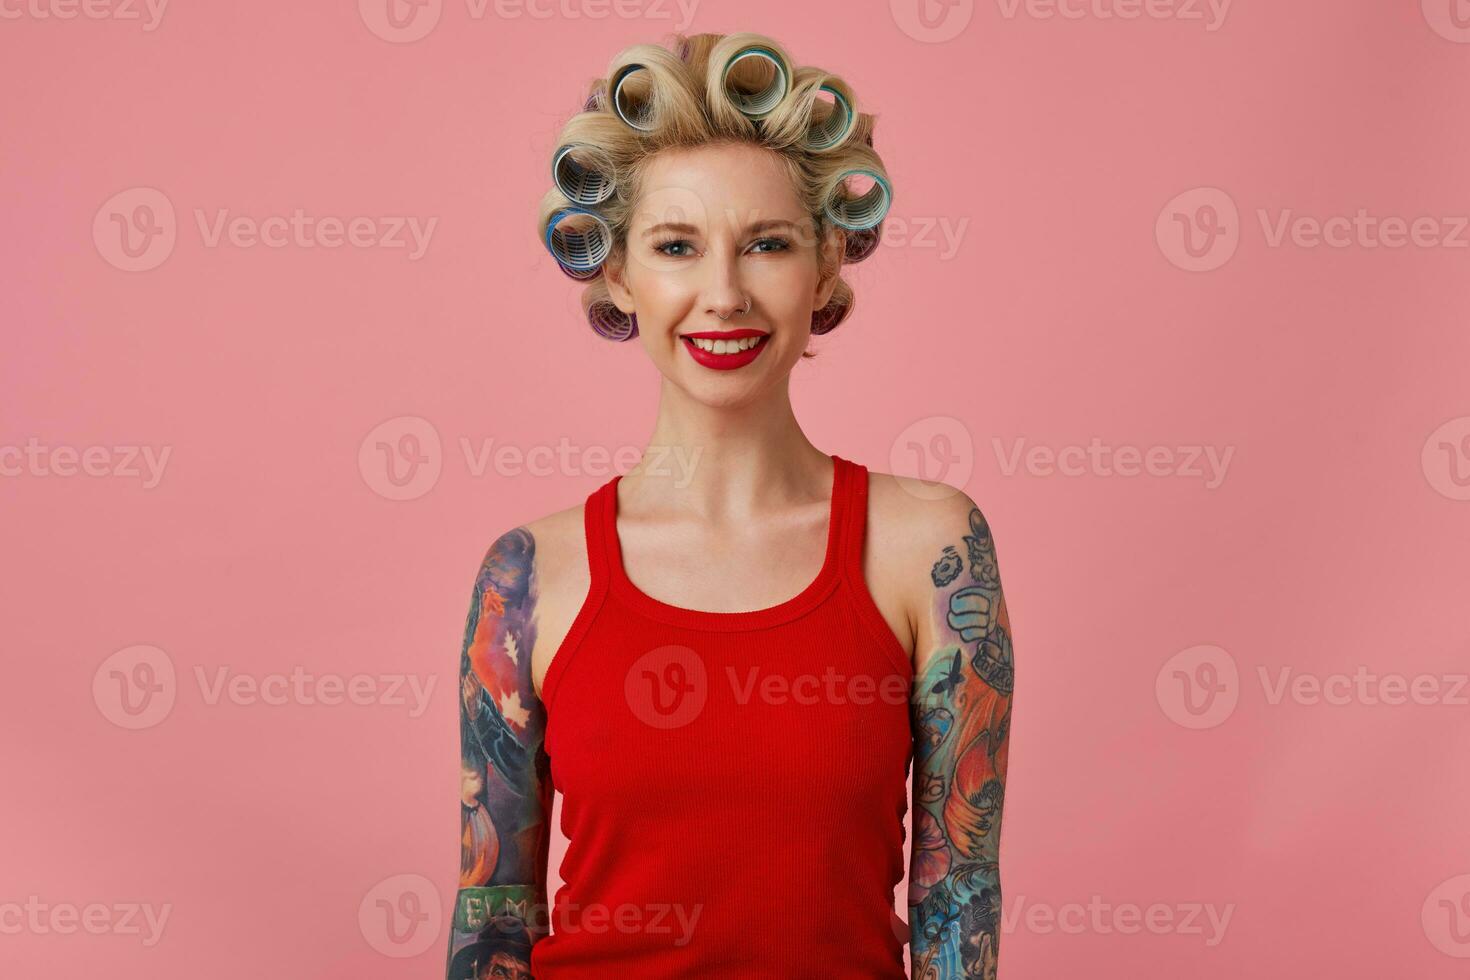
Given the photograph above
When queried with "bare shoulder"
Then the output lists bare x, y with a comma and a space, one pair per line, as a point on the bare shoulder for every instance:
561, 581
924, 533
910, 518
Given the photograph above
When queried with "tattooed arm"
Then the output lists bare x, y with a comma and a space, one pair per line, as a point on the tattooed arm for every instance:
961, 713
505, 784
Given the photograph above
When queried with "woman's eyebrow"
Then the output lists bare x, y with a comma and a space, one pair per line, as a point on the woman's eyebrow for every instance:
682, 228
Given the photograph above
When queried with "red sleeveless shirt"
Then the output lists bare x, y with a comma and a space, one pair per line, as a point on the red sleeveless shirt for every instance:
733, 782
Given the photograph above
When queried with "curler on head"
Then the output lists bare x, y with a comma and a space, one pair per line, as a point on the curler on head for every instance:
583, 245
610, 322
830, 125
828, 317
861, 243
861, 211
755, 79
583, 172
631, 97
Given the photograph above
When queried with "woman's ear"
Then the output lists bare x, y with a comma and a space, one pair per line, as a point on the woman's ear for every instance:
612, 273
834, 242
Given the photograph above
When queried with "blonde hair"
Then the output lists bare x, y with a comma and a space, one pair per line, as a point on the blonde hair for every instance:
708, 88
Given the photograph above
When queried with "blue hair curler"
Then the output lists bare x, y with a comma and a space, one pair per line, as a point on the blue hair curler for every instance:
580, 252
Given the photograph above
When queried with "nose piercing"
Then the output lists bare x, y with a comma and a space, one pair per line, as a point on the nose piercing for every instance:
746, 310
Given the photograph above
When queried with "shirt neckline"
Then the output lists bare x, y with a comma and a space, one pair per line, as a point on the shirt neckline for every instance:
815, 591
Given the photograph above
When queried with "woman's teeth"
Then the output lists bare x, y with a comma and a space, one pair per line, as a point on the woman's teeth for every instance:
725, 346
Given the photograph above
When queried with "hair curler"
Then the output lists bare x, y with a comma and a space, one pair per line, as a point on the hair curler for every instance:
633, 102
834, 129
583, 173
757, 105
611, 322
863, 211
581, 249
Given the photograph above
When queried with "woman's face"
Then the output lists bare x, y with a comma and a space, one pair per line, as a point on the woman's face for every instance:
717, 227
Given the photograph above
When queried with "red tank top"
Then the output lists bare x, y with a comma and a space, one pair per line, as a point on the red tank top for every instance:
733, 782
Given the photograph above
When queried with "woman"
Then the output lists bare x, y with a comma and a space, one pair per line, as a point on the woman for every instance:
726, 658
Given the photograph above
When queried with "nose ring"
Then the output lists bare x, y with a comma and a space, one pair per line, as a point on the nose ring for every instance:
746, 310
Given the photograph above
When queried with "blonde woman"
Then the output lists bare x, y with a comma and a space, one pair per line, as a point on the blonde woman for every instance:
727, 658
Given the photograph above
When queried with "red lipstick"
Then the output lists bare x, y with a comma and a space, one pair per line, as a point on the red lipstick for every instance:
724, 362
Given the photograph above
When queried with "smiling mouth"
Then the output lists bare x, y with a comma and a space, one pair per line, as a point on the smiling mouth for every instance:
724, 345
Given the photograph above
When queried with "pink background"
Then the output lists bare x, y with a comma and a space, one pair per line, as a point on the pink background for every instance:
1058, 311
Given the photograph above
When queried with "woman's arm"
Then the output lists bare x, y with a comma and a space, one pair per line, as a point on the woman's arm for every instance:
961, 721
505, 783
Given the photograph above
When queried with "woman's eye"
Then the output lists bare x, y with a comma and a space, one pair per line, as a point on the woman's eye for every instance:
780, 243
662, 247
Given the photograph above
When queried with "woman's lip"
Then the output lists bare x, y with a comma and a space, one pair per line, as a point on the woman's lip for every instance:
726, 334
722, 362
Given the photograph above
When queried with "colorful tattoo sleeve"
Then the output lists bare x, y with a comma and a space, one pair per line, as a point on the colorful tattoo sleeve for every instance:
505, 783
962, 719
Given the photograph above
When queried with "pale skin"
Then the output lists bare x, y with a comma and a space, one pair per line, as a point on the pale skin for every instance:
751, 496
